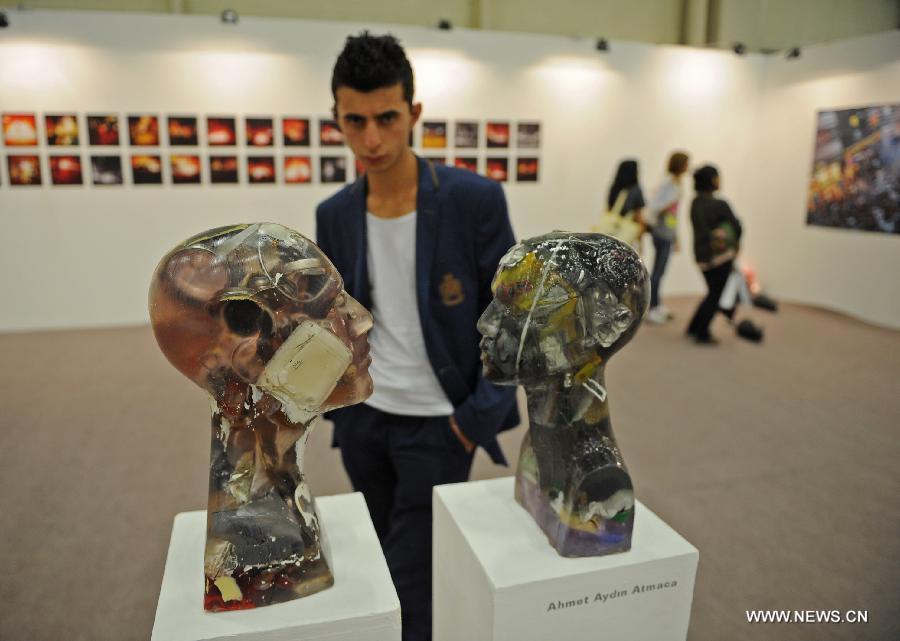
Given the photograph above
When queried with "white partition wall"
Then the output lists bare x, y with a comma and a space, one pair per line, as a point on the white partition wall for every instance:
82, 255
850, 271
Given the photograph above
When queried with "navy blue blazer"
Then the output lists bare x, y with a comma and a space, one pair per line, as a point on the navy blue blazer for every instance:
462, 231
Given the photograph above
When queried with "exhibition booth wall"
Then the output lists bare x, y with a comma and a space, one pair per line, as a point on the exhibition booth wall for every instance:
82, 255
854, 272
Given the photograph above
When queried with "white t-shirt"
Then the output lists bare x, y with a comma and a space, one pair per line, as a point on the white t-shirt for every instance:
404, 381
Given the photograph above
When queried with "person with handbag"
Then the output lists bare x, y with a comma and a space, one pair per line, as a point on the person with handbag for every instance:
623, 218
662, 221
717, 234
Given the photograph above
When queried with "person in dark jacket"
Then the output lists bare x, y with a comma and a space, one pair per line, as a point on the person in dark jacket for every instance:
418, 244
717, 234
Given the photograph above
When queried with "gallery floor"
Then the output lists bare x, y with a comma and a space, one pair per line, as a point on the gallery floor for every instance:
778, 461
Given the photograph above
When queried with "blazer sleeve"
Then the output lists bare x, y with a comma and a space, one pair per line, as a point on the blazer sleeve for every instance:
480, 416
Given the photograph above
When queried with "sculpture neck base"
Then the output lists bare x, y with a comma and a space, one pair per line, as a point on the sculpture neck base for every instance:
597, 538
571, 476
262, 532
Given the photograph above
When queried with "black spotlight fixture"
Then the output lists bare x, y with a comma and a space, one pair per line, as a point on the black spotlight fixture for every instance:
4, 21
739, 48
793, 53
602, 44
445, 25
230, 16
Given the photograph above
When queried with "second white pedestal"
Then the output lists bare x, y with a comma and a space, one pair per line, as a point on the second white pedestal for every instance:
496, 577
362, 604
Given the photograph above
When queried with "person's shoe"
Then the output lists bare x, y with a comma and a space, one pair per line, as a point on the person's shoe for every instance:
764, 302
748, 330
656, 316
708, 339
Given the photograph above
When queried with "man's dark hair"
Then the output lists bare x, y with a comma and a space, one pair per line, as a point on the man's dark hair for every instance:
372, 62
704, 178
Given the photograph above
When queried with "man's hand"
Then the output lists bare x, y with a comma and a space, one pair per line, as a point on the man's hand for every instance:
466, 443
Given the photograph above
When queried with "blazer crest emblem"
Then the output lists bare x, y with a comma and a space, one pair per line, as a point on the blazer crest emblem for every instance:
451, 290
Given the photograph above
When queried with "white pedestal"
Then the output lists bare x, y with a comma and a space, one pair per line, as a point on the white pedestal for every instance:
362, 605
496, 577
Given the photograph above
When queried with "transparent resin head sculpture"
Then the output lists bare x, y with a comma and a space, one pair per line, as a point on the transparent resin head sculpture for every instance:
563, 305
257, 316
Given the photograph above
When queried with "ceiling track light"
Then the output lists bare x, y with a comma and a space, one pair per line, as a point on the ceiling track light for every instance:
793, 53
230, 16
602, 44
739, 48
445, 25
4, 21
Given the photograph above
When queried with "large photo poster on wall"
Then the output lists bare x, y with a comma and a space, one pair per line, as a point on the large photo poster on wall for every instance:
855, 180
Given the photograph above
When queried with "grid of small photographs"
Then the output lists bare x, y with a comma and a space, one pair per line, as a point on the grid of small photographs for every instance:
107, 149
503, 150
102, 150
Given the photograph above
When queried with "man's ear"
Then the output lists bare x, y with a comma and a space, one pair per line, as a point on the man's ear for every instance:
416, 111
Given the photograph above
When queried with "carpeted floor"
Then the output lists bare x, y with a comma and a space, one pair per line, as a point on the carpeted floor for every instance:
778, 461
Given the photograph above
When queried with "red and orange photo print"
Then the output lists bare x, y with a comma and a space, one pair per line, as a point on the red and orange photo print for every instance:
62, 130
185, 169
497, 169
223, 170
329, 133
146, 170
103, 130
24, 170
297, 170
182, 131
143, 130
220, 131
65, 170
497, 134
20, 130
466, 162
295, 132
260, 170
527, 170
260, 132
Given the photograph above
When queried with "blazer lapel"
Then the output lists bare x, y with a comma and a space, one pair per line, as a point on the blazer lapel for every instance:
427, 224
362, 290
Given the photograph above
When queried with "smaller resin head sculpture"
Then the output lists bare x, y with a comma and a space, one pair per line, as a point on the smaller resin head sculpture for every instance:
563, 305
257, 316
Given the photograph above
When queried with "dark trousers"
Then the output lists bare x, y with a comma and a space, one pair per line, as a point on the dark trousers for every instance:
395, 461
715, 283
662, 250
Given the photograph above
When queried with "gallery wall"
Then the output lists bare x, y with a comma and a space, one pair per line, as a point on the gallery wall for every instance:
855, 272
81, 256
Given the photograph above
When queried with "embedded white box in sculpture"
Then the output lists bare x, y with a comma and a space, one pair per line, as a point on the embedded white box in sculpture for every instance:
362, 605
496, 578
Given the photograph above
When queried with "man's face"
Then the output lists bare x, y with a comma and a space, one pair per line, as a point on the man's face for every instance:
376, 124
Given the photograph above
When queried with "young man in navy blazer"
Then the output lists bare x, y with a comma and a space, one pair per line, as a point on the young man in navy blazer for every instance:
418, 244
